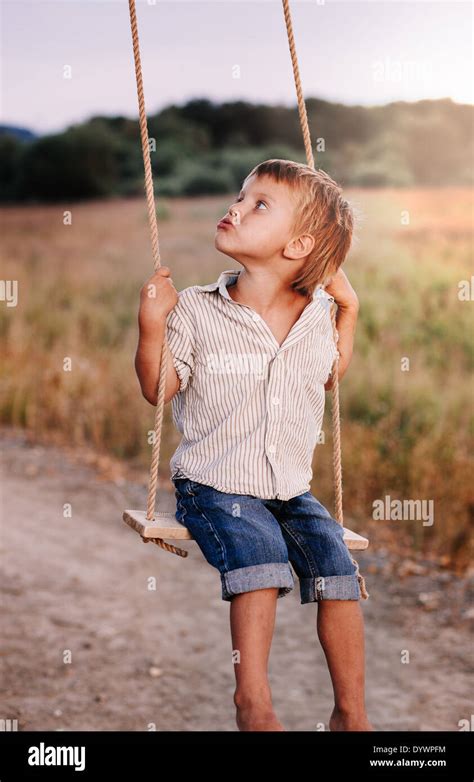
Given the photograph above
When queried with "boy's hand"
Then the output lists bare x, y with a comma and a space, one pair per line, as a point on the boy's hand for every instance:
158, 297
343, 292
346, 321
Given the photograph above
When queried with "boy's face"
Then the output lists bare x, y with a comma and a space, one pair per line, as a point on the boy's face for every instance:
259, 223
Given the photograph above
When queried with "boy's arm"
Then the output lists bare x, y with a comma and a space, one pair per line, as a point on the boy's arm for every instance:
147, 364
346, 320
157, 298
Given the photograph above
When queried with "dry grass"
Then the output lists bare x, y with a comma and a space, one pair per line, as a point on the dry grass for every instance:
406, 434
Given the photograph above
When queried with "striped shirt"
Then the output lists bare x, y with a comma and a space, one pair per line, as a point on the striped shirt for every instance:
249, 410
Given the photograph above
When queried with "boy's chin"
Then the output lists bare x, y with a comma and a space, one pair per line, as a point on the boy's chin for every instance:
223, 249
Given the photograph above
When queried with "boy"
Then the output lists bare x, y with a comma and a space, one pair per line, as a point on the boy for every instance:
250, 359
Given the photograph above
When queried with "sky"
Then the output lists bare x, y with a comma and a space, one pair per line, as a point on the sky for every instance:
63, 61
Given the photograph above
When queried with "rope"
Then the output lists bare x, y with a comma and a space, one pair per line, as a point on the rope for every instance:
150, 198
336, 418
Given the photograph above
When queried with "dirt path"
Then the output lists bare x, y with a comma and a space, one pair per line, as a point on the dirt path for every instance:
164, 657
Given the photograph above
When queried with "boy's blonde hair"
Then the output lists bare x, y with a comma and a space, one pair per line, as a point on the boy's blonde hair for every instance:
320, 211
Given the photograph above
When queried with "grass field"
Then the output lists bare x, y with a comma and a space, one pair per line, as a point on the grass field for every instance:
406, 434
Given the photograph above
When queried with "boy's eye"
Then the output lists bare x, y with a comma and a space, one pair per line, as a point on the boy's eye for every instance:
258, 202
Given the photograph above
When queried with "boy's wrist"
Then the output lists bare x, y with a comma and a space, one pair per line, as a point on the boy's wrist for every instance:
342, 291
149, 330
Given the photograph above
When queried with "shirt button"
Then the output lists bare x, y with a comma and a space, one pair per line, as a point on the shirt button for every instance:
256, 317
275, 401
271, 449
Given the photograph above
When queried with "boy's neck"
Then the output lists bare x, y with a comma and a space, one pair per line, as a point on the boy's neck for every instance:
264, 291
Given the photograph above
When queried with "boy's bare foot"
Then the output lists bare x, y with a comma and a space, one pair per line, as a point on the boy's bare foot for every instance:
350, 721
250, 718
255, 713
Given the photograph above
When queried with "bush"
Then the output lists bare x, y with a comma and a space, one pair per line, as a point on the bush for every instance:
11, 151
83, 162
201, 180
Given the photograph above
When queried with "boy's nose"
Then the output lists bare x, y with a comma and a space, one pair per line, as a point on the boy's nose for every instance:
234, 216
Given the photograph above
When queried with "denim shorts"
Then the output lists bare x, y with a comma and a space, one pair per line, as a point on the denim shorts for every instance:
252, 541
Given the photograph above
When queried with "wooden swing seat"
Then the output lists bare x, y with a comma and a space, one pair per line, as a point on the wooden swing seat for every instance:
165, 525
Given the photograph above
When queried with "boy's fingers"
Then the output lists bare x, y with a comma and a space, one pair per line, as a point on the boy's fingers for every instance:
162, 271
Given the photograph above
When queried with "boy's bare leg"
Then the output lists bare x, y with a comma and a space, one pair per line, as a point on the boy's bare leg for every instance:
340, 627
252, 621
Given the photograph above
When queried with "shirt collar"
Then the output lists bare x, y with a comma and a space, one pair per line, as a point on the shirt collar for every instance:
230, 276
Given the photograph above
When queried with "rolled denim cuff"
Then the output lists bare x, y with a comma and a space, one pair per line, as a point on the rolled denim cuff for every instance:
247, 579
329, 588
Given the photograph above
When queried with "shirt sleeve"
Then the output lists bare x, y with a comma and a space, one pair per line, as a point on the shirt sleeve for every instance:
180, 339
329, 344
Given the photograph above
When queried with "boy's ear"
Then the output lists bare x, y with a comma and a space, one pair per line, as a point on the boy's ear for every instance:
301, 245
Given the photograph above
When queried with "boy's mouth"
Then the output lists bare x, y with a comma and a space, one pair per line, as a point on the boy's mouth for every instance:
225, 223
